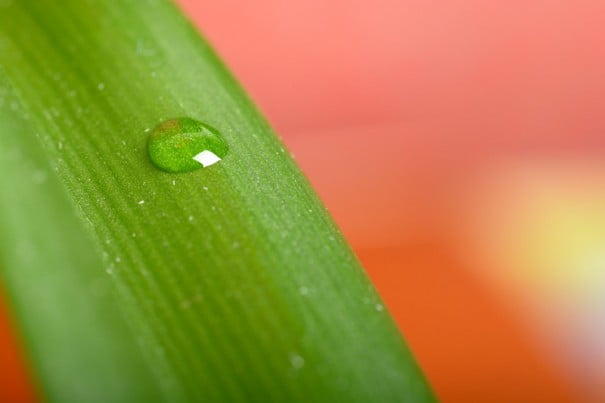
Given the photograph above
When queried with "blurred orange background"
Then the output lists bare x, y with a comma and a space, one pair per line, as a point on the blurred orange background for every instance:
460, 146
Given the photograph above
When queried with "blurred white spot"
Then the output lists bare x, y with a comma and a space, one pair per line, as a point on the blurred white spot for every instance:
297, 361
39, 177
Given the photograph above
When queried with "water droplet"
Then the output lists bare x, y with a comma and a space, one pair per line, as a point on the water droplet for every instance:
142, 202
101, 86
379, 307
184, 145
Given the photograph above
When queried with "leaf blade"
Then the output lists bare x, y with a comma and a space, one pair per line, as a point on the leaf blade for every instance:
236, 276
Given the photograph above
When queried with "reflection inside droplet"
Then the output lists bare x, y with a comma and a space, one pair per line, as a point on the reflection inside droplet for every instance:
207, 158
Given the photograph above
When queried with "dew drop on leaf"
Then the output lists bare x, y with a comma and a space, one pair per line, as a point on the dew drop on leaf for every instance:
184, 145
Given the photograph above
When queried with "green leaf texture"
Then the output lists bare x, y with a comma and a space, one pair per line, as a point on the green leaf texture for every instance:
225, 284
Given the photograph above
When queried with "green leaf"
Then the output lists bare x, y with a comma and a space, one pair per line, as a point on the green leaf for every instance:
74, 325
227, 283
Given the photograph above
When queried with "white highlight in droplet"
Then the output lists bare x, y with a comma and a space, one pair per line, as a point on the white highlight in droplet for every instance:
207, 158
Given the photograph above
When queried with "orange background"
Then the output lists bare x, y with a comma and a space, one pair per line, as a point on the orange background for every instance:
397, 110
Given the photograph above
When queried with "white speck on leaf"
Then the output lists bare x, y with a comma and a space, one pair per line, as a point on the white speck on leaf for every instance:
297, 361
